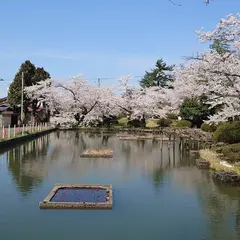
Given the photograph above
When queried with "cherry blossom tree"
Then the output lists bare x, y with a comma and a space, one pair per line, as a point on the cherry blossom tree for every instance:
226, 31
213, 74
147, 102
74, 101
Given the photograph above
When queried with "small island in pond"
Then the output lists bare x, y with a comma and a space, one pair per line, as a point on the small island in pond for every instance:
97, 153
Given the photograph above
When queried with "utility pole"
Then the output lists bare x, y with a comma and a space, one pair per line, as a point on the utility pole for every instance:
22, 97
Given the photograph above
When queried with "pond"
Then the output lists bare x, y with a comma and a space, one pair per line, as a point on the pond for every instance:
158, 192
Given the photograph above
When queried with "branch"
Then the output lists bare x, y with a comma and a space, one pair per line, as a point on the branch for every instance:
176, 4
225, 74
70, 90
219, 95
92, 107
129, 111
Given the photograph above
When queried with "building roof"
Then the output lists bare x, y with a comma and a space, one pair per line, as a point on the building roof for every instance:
3, 100
4, 105
5, 108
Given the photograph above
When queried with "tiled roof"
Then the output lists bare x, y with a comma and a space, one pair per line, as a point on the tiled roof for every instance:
3, 99
5, 108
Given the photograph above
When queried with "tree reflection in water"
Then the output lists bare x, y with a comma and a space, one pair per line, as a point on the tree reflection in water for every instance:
24, 163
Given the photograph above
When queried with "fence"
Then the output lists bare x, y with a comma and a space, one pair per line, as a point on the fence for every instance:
8, 133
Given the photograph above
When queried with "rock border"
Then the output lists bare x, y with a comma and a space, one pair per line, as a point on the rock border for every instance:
228, 178
47, 204
203, 164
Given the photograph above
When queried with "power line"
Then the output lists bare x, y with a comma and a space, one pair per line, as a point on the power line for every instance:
111, 78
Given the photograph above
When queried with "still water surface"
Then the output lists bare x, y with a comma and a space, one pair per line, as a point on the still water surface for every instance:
158, 194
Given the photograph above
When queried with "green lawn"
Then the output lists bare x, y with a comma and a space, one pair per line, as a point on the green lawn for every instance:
151, 123
122, 121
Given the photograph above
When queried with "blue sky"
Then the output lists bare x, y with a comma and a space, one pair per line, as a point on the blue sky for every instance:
106, 38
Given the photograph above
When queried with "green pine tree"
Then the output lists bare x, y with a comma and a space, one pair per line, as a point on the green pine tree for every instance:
159, 76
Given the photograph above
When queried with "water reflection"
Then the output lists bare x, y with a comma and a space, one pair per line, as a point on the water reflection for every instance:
30, 163
220, 204
25, 164
151, 164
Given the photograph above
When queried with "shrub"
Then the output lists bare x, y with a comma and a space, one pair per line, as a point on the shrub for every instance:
232, 152
109, 121
164, 122
94, 123
195, 110
172, 116
183, 123
228, 132
137, 123
208, 127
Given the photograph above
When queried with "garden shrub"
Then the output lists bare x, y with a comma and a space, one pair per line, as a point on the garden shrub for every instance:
195, 110
109, 121
164, 122
183, 123
232, 152
228, 132
172, 116
208, 127
137, 123
94, 123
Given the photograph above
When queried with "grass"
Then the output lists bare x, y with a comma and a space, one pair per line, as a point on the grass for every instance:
214, 158
122, 121
151, 123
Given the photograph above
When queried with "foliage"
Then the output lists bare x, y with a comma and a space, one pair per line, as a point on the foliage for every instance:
76, 101
94, 123
172, 116
32, 75
137, 123
231, 152
228, 132
195, 110
164, 122
215, 75
208, 127
220, 47
183, 124
159, 76
109, 120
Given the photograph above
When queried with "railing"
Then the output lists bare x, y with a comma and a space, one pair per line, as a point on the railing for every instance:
9, 133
